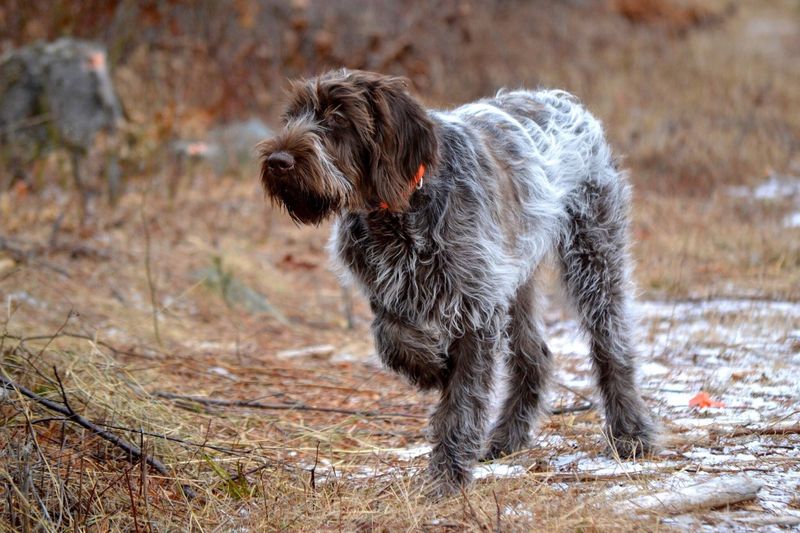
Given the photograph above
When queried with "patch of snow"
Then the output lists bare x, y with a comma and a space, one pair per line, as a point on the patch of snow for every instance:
497, 470
742, 352
774, 188
517, 510
562, 461
676, 399
24, 297
792, 220
653, 369
568, 343
708, 457
224, 372
412, 453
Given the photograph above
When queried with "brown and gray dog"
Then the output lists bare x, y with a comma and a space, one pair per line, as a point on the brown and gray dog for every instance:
442, 218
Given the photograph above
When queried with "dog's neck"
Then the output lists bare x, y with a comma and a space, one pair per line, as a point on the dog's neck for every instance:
416, 183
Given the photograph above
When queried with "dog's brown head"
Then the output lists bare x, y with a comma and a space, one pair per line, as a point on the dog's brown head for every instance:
351, 140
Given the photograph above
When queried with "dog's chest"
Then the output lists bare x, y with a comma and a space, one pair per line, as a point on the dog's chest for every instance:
394, 258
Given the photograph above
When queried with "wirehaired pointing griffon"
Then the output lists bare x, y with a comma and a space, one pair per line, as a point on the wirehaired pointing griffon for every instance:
442, 218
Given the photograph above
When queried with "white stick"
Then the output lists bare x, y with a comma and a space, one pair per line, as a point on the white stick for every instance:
759, 519
323, 350
715, 493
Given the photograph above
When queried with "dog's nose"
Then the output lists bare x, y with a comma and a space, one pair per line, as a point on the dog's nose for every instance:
280, 162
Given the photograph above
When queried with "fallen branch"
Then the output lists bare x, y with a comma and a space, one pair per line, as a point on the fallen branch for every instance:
323, 350
718, 492
253, 404
751, 519
577, 408
204, 400
133, 451
591, 477
774, 430
28, 256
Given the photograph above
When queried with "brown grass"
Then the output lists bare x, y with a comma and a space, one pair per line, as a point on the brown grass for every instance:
231, 283
695, 93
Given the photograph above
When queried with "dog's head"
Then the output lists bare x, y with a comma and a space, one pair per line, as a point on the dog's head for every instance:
351, 140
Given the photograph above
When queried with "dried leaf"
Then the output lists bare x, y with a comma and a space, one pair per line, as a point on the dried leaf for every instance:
702, 399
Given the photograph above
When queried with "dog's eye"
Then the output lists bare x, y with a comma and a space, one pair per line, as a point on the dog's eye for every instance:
335, 120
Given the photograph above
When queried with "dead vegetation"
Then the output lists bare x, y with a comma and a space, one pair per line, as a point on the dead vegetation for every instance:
206, 331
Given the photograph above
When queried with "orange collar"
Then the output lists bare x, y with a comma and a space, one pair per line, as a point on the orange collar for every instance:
417, 184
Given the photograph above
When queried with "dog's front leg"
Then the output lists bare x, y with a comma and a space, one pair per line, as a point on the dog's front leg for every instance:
409, 350
458, 422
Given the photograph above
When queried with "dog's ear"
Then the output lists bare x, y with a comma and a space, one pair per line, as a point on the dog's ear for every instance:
404, 139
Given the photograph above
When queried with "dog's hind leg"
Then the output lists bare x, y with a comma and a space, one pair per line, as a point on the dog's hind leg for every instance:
596, 273
528, 361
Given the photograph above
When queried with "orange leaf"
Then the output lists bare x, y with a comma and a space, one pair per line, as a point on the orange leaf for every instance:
702, 399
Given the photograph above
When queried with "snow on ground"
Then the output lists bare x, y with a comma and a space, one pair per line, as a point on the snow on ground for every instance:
774, 188
744, 353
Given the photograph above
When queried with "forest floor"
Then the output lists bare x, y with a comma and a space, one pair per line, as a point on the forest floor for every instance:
210, 332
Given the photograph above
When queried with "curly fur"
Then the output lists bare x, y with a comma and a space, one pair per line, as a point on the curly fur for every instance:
450, 269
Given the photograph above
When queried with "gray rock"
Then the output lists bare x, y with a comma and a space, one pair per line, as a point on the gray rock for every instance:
56, 94
228, 148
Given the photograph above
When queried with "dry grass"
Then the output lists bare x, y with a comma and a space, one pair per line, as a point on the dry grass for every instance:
695, 93
716, 245
222, 349
210, 347
697, 106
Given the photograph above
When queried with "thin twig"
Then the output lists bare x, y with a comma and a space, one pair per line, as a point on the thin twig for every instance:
186, 443
768, 430
74, 336
134, 453
148, 271
499, 526
314, 470
575, 392
133, 502
577, 408
70, 314
28, 256
281, 407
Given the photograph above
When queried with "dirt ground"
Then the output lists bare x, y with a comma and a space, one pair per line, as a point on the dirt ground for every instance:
208, 332
240, 307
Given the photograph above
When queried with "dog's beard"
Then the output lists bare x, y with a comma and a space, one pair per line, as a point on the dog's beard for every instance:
306, 207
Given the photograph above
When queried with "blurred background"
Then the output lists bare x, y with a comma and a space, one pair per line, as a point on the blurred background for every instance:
694, 93
138, 255
697, 96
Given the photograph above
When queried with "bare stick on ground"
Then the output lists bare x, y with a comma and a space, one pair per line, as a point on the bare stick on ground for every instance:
718, 492
133, 451
252, 404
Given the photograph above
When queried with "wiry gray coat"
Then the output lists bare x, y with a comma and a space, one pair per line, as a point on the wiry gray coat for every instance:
449, 268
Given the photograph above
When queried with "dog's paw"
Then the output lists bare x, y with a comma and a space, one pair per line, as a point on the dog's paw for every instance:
498, 450
632, 444
442, 483
504, 442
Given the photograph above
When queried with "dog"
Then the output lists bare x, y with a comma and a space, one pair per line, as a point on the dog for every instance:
441, 219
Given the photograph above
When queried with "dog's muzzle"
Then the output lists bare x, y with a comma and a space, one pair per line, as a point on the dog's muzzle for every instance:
283, 181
